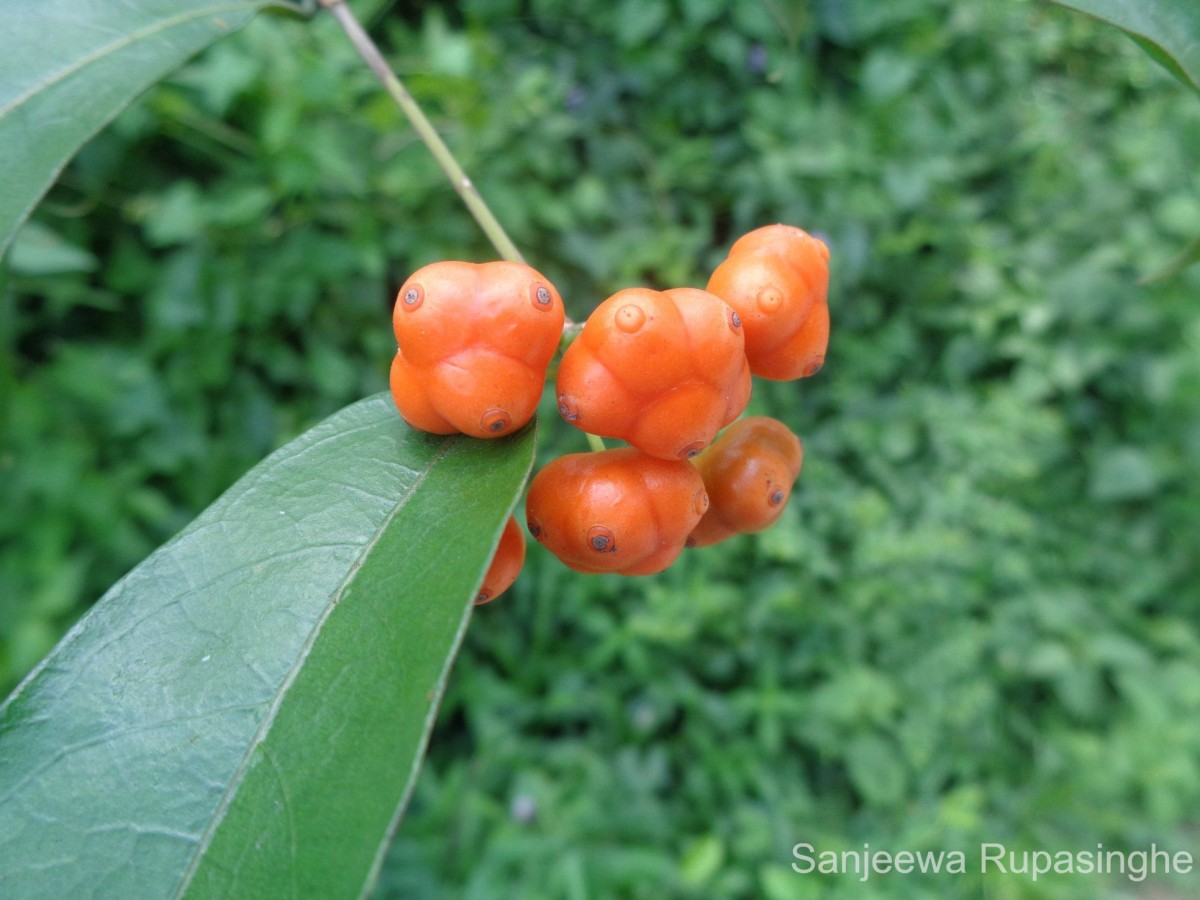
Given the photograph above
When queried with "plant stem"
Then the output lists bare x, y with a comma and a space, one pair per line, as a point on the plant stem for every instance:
594, 442
425, 130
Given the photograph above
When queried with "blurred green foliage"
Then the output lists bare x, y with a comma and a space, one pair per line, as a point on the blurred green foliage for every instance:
980, 617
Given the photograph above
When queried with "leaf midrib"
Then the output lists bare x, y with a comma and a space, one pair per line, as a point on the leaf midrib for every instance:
264, 729
121, 43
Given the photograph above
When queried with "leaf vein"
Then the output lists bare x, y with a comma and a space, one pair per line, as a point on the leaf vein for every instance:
265, 728
117, 45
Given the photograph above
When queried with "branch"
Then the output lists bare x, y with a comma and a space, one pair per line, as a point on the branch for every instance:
425, 130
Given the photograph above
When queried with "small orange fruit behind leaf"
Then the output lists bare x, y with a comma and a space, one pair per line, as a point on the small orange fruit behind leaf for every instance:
616, 510
506, 563
748, 472
474, 343
777, 278
663, 370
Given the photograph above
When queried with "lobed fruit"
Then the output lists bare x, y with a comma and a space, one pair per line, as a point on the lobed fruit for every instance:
615, 510
664, 371
506, 563
748, 472
777, 278
474, 343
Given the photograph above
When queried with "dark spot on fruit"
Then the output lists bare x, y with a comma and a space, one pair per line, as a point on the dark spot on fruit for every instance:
601, 539
540, 296
568, 408
495, 420
413, 297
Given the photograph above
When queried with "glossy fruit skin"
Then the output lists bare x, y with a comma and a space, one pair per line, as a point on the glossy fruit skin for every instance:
777, 278
506, 563
615, 510
748, 472
662, 370
474, 343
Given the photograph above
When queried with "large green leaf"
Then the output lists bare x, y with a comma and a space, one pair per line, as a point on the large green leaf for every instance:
68, 66
1169, 30
244, 713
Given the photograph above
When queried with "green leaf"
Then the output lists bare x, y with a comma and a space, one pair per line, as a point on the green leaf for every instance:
1122, 473
875, 768
1169, 30
702, 860
40, 251
245, 712
67, 67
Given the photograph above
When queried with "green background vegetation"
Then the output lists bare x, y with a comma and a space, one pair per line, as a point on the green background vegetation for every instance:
980, 617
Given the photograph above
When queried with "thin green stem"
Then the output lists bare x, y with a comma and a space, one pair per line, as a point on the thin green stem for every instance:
425, 130
595, 442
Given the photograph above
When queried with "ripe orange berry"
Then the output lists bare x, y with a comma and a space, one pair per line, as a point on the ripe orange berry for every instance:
777, 278
616, 510
748, 472
474, 343
664, 371
506, 564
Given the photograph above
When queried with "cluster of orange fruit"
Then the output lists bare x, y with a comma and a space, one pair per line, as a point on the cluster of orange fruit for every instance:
664, 371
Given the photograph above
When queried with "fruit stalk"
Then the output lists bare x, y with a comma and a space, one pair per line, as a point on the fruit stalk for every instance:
463, 185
